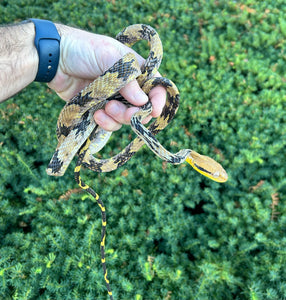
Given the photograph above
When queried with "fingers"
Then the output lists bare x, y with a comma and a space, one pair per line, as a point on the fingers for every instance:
158, 99
133, 94
105, 121
116, 113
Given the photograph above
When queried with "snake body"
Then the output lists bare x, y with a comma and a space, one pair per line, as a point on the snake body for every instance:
78, 134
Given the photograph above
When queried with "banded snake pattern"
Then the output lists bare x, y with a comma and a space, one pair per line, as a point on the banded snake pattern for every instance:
79, 135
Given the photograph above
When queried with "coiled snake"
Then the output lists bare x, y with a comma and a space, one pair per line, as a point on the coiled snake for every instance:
78, 134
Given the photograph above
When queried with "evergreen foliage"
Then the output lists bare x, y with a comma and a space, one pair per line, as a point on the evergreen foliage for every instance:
171, 233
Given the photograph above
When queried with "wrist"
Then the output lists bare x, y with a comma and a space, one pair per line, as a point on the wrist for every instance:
31, 52
27, 59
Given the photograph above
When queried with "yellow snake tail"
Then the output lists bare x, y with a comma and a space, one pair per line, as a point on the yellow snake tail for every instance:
88, 189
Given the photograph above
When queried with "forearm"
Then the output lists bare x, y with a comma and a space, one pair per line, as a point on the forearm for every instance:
18, 58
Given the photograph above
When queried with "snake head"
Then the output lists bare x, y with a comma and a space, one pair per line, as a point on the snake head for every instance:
207, 166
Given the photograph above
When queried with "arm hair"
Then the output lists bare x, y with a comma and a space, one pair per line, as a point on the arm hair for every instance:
18, 58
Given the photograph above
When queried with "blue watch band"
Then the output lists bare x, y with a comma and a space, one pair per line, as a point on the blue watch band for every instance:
47, 43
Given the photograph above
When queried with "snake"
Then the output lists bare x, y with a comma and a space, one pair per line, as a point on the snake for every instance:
79, 136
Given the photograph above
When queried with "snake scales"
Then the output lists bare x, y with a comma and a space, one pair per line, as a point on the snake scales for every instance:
78, 134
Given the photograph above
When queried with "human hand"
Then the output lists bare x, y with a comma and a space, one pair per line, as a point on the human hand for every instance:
85, 56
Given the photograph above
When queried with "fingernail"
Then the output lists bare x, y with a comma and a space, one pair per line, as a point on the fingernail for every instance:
140, 98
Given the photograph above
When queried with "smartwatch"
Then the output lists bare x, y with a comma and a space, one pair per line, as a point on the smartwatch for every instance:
47, 43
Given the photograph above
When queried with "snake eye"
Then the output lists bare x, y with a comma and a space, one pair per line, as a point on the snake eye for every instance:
216, 174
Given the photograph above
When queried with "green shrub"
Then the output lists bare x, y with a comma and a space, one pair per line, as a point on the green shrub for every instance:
171, 234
